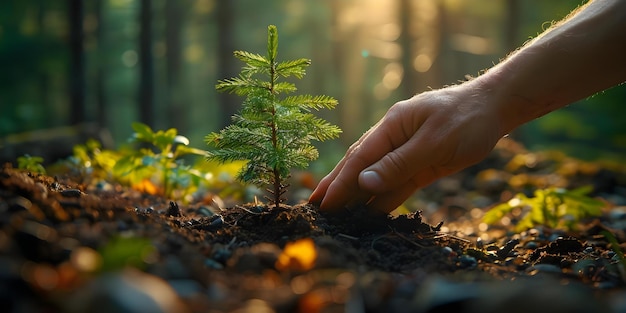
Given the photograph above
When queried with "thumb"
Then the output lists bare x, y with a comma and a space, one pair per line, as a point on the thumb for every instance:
389, 172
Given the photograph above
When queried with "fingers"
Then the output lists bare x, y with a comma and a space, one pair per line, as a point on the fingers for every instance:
355, 164
389, 201
397, 167
342, 188
320, 191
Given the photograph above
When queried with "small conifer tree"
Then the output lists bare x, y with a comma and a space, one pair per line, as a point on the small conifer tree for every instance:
272, 133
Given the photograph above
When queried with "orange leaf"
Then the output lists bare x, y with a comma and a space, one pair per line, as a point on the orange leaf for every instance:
298, 255
147, 186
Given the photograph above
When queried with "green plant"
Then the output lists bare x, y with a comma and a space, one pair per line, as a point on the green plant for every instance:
273, 134
161, 161
93, 161
551, 207
121, 252
31, 163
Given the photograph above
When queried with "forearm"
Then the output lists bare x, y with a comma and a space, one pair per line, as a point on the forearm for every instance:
576, 58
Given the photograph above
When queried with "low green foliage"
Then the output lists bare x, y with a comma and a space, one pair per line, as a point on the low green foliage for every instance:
92, 161
273, 134
121, 252
31, 163
161, 160
551, 207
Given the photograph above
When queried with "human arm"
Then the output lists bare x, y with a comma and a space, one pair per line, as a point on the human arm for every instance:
440, 132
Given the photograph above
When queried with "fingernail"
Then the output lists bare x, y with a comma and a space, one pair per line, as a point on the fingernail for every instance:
370, 180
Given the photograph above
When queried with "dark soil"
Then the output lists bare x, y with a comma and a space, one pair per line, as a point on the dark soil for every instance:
67, 247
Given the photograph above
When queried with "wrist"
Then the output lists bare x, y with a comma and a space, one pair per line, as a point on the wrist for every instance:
506, 109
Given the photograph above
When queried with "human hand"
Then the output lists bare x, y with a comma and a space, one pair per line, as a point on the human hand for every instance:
419, 140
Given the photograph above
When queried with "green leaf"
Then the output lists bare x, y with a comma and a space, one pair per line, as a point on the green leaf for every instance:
272, 42
295, 68
252, 59
284, 87
497, 213
307, 102
142, 131
241, 85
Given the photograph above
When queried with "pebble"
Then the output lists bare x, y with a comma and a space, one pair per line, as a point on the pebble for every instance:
533, 232
555, 236
71, 193
531, 245
467, 261
218, 221
203, 210
210, 263
222, 255
479, 243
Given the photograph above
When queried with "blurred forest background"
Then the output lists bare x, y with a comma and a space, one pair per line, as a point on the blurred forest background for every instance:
71, 69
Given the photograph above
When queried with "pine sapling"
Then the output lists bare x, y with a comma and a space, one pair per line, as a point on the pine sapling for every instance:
271, 132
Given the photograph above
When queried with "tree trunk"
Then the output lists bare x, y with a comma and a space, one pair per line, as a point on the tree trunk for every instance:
173, 26
512, 24
101, 112
77, 62
226, 67
409, 79
146, 80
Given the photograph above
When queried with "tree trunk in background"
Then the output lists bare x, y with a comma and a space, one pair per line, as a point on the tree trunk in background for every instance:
173, 26
101, 112
351, 71
436, 71
146, 80
409, 79
77, 62
226, 67
44, 77
511, 30
512, 25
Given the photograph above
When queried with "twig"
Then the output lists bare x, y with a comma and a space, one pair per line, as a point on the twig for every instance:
348, 236
405, 238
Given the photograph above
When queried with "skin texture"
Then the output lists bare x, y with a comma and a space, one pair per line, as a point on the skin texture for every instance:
440, 132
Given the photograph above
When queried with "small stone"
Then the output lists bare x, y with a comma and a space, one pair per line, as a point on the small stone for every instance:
210, 263
533, 232
479, 243
531, 245
203, 210
466, 261
71, 193
447, 251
